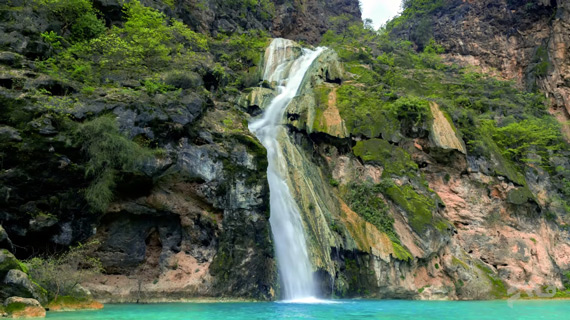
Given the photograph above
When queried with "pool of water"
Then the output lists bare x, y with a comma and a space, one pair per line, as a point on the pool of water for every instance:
358, 309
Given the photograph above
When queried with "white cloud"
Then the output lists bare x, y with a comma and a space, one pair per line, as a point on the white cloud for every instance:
380, 11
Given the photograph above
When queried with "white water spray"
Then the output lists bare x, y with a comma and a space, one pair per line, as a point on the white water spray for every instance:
283, 66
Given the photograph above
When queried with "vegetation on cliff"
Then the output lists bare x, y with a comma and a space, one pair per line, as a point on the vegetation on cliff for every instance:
97, 109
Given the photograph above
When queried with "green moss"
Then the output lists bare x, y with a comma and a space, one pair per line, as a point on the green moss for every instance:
10, 262
420, 290
418, 207
560, 294
520, 195
395, 160
501, 165
498, 290
456, 262
68, 300
15, 307
321, 95
365, 112
442, 225
401, 253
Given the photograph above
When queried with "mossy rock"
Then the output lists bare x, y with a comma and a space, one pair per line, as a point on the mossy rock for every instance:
418, 207
498, 287
17, 307
401, 253
395, 160
520, 195
68, 303
365, 114
9, 262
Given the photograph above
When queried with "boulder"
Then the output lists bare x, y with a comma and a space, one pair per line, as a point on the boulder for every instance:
257, 100
18, 284
5, 242
17, 307
9, 134
8, 262
11, 59
443, 133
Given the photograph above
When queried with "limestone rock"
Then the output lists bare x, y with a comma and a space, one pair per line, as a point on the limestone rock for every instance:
5, 242
257, 100
11, 59
9, 134
18, 307
18, 284
443, 133
7, 262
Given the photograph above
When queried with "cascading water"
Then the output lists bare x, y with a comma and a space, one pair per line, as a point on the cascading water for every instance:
284, 67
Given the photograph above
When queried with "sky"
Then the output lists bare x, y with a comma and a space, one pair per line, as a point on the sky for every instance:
380, 11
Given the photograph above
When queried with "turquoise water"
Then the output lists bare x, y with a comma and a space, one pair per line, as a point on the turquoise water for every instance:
385, 309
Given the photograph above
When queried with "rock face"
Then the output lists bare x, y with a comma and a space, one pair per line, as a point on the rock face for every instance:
296, 20
484, 236
443, 132
200, 231
527, 42
308, 20
192, 222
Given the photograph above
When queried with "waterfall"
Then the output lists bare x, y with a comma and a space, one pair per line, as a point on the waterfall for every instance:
286, 66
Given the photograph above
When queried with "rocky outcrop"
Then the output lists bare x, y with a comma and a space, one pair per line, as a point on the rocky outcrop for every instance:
17, 283
443, 133
524, 41
73, 304
309, 20
17, 307
8, 262
314, 109
485, 236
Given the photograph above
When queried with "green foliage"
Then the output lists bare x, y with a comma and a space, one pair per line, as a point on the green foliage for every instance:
364, 113
60, 274
411, 109
52, 38
400, 252
79, 19
242, 54
364, 199
537, 135
109, 153
334, 182
265, 9
147, 42
154, 86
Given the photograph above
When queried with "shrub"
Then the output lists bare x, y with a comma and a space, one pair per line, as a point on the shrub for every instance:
78, 18
364, 199
108, 153
61, 274
146, 42
183, 80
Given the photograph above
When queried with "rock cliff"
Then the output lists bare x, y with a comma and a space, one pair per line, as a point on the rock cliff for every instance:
415, 178
523, 41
